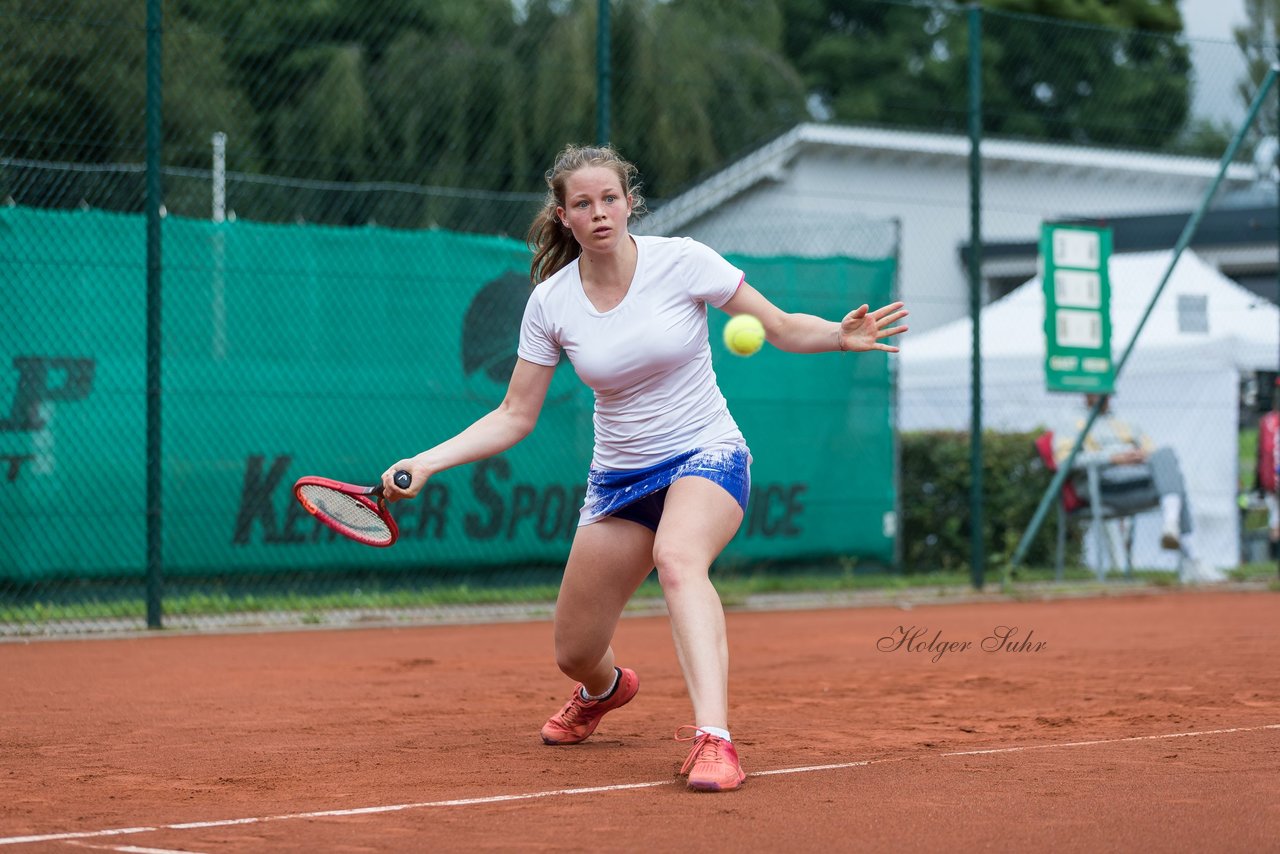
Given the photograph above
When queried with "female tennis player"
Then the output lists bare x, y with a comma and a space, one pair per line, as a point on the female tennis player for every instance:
669, 475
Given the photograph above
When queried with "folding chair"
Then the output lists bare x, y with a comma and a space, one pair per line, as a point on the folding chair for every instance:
1074, 506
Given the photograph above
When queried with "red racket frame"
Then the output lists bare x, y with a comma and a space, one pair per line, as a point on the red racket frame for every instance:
364, 494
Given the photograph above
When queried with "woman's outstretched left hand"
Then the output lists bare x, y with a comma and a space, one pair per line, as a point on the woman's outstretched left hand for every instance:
862, 329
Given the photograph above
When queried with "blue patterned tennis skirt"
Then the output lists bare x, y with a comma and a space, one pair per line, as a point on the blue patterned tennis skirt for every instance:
639, 494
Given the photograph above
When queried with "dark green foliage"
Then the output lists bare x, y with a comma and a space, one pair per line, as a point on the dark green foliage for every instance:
935, 501
1083, 84
421, 113
1097, 73
1257, 43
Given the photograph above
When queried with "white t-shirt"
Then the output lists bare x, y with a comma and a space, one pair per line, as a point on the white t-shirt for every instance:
647, 359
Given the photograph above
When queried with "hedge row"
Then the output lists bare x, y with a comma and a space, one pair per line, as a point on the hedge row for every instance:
936, 503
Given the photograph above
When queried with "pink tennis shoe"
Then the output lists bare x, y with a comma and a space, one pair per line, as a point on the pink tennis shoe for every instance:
713, 764
579, 718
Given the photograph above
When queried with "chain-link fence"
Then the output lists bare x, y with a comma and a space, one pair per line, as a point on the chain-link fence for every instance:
292, 350
346, 188
408, 115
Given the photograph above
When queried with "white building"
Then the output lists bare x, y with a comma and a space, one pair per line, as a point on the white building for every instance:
830, 190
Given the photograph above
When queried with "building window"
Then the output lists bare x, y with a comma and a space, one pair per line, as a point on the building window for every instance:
1193, 313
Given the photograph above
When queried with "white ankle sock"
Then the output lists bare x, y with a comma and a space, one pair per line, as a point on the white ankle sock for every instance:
717, 732
616, 673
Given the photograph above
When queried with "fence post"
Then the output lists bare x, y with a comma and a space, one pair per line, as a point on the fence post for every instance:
603, 73
219, 176
219, 237
977, 557
154, 458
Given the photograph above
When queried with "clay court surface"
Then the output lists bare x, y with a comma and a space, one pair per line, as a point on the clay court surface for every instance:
1144, 721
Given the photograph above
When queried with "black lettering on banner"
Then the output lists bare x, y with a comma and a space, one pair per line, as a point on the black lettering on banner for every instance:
256, 499
425, 517
486, 529
14, 462
754, 511
262, 489
547, 511
790, 526
774, 510
45, 379
524, 504
579, 495
551, 511
296, 516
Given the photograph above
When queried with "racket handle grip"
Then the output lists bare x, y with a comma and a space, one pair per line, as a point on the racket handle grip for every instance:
403, 479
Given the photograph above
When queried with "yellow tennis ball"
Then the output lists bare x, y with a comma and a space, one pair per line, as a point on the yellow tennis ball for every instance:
743, 335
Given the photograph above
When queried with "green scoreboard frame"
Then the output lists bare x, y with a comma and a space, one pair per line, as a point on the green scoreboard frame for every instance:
1077, 308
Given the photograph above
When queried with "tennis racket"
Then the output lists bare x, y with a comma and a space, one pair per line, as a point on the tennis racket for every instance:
357, 512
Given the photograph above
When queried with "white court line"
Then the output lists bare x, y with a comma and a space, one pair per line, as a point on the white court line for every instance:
588, 790
131, 849
1110, 740
1020, 749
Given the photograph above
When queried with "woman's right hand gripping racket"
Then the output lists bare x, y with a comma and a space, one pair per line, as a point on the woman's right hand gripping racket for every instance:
358, 512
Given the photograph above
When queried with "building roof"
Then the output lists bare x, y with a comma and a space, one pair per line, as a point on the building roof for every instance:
770, 162
1228, 227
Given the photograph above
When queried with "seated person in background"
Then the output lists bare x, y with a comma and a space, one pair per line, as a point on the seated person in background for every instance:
1133, 474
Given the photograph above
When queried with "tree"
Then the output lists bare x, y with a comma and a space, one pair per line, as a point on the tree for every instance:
407, 94
1258, 40
1119, 80
481, 94
881, 63
73, 91
1109, 73
439, 103
699, 83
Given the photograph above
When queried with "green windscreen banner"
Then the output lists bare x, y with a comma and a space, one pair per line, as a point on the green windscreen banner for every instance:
293, 350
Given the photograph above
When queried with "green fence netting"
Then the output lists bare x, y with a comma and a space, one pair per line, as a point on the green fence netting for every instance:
438, 119
292, 350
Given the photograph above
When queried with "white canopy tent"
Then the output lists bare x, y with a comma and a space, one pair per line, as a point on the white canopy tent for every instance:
1180, 386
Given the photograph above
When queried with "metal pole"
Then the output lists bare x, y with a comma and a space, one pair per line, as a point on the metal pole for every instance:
1188, 231
219, 177
977, 558
603, 73
218, 346
894, 373
154, 459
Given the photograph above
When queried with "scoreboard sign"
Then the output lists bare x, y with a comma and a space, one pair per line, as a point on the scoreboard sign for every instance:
1077, 308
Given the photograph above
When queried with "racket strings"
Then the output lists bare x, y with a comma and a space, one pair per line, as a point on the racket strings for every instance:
346, 511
